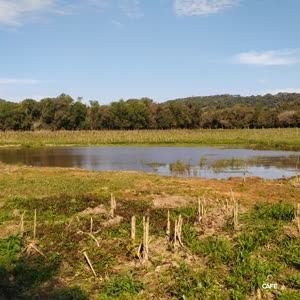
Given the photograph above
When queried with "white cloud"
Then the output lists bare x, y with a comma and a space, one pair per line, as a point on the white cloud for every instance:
17, 81
16, 12
131, 8
268, 58
13, 12
202, 7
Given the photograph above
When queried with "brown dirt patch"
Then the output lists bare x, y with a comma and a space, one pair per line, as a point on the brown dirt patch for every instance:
168, 201
93, 211
116, 220
8, 229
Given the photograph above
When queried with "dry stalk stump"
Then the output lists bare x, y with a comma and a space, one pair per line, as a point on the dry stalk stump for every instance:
89, 263
235, 212
143, 249
168, 231
177, 232
113, 205
298, 217
201, 211
91, 226
22, 224
34, 225
133, 228
145, 238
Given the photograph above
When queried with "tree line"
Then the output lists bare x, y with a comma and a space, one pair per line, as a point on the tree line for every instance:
220, 111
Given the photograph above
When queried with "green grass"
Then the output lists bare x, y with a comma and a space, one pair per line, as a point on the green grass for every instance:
187, 283
288, 138
73, 293
9, 248
121, 287
278, 211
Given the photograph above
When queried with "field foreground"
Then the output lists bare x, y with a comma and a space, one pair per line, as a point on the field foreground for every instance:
284, 139
221, 256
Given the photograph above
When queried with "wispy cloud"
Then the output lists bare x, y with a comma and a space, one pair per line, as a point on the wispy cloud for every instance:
117, 23
18, 81
268, 58
13, 12
131, 8
17, 12
202, 7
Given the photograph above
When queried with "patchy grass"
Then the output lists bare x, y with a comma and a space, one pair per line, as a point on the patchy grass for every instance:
193, 284
216, 262
9, 248
121, 287
278, 211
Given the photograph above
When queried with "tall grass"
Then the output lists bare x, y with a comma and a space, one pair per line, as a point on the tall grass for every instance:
288, 138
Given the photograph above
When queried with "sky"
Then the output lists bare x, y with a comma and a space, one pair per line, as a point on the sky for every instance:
106, 50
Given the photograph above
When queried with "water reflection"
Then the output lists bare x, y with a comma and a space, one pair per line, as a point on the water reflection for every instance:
183, 161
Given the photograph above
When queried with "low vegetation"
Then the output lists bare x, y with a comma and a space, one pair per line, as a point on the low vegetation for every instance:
288, 138
215, 261
179, 167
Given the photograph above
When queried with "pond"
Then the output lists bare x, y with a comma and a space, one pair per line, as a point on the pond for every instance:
207, 162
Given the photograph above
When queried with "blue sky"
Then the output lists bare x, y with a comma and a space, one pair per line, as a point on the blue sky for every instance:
163, 49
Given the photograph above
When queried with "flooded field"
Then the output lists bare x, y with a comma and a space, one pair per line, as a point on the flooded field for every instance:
209, 162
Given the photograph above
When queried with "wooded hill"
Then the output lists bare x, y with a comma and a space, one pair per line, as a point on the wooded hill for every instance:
220, 111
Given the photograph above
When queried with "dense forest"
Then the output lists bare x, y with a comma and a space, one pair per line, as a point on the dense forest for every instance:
221, 111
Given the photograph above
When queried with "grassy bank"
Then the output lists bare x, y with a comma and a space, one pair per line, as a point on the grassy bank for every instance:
288, 139
217, 261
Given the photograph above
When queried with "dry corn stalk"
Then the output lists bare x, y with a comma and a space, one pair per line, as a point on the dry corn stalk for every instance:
113, 205
89, 263
225, 205
94, 238
168, 231
91, 226
91, 236
298, 217
200, 211
235, 212
177, 232
133, 222
32, 247
22, 224
145, 238
139, 251
258, 294
34, 225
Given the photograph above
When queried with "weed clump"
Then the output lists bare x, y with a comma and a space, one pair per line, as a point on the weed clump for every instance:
190, 284
216, 249
121, 287
248, 275
278, 211
73, 293
289, 249
179, 166
9, 248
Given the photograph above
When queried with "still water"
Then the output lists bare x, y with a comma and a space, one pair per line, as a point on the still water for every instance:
183, 161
